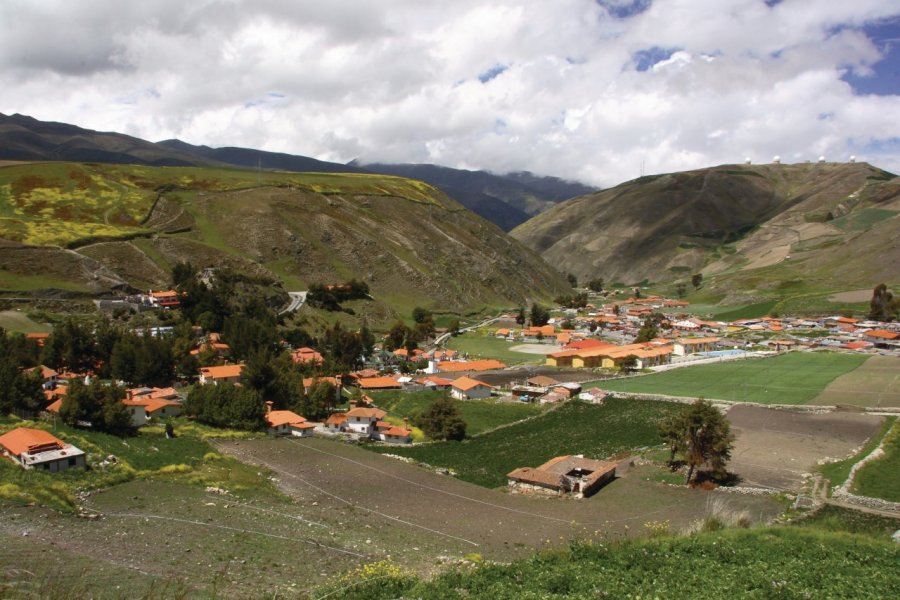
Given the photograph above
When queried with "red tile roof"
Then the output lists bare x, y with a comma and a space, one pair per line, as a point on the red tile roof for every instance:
283, 417
25, 439
467, 383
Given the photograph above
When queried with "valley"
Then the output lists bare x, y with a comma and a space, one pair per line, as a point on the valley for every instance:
312, 384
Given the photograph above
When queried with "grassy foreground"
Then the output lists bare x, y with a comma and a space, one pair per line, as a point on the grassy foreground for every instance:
793, 378
758, 563
618, 426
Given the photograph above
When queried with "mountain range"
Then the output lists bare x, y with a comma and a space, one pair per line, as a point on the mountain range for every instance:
506, 200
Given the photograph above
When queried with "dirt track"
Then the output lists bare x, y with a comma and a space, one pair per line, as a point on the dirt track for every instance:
775, 448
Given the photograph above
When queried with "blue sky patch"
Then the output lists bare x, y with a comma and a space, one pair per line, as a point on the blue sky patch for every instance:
491, 73
885, 81
645, 59
623, 9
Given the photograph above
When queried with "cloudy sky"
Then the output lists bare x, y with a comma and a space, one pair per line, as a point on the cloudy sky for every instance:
594, 90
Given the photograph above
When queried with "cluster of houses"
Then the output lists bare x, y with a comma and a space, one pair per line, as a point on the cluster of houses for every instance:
688, 336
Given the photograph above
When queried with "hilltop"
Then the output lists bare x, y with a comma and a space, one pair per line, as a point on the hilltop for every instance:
752, 231
93, 228
506, 200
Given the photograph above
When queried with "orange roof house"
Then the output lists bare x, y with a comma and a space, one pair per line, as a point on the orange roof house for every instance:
221, 374
38, 449
302, 356
466, 388
336, 422
379, 383
286, 422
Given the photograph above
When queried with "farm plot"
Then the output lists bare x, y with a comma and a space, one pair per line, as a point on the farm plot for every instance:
416, 515
166, 539
874, 383
793, 378
776, 448
479, 415
575, 428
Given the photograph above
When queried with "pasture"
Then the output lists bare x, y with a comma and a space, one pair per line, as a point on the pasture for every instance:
793, 378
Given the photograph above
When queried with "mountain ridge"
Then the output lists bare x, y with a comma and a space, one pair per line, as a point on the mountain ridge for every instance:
780, 222
506, 200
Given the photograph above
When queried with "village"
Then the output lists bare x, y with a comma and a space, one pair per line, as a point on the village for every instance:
579, 348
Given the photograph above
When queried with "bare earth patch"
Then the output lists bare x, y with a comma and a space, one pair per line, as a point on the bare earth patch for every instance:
447, 515
854, 296
776, 448
874, 383
536, 348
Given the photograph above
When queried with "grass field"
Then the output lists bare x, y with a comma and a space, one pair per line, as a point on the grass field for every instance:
15, 320
876, 382
881, 478
837, 472
188, 458
575, 428
479, 415
793, 378
481, 345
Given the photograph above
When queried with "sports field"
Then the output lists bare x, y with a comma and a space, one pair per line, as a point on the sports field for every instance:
794, 378
875, 383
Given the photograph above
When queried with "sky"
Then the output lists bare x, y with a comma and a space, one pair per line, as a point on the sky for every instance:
598, 91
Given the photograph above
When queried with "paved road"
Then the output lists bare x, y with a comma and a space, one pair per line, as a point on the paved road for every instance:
297, 300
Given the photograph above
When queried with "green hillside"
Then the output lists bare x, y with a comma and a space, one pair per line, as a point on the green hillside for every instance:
793, 235
94, 228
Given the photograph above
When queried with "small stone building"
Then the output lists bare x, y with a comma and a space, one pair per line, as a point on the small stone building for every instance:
576, 476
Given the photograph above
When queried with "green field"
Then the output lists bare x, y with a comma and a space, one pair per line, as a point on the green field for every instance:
480, 345
575, 428
793, 378
479, 415
837, 472
15, 320
881, 478
187, 458
788, 562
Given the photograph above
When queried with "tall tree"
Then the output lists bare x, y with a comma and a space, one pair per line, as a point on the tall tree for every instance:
701, 435
697, 280
883, 306
539, 315
520, 316
441, 420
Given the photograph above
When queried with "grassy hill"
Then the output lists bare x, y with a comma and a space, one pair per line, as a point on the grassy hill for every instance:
92, 227
756, 233
790, 562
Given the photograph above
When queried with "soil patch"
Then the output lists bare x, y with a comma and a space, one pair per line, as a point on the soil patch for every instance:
449, 516
854, 296
535, 348
776, 448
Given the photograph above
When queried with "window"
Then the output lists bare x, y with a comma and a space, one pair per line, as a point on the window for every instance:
72, 461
